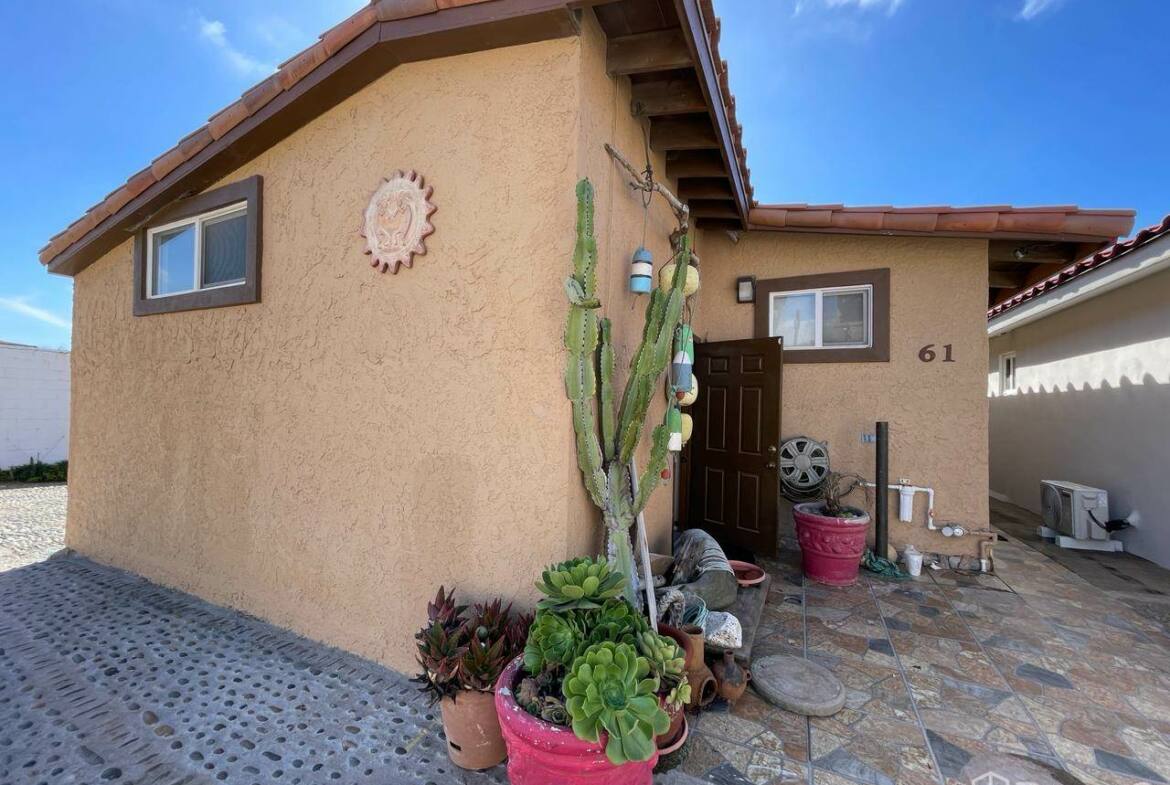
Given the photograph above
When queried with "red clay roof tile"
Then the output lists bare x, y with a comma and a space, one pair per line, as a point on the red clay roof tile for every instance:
1082, 266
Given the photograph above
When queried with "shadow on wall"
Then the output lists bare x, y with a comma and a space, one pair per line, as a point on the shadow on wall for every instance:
1112, 436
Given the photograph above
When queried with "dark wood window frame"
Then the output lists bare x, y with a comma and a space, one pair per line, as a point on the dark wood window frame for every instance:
250, 191
878, 280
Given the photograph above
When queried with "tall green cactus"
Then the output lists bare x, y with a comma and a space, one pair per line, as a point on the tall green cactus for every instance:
605, 459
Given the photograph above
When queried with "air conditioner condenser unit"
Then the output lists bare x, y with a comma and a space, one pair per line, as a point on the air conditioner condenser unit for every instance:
1075, 516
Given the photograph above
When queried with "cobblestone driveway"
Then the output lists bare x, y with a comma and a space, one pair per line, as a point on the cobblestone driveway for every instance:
32, 523
108, 678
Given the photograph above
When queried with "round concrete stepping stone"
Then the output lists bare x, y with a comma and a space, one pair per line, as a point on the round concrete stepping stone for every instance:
798, 685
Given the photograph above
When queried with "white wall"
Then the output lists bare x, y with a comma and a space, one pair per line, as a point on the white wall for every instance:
1092, 406
34, 404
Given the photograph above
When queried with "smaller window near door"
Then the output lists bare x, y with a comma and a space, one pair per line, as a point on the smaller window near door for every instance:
831, 318
1007, 373
827, 317
201, 252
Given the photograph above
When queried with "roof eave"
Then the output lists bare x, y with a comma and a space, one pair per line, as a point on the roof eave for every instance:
372, 53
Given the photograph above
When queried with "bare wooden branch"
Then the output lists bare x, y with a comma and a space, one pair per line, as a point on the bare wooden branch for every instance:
639, 182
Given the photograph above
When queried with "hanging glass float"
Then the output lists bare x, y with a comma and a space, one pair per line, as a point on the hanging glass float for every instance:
688, 427
674, 426
689, 397
666, 278
641, 271
682, 366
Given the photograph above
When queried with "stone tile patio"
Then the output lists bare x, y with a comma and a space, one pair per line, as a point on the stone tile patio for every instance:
952, 670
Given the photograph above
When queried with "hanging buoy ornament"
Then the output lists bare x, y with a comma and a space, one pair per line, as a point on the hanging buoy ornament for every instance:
641, 271
691, 395
688, 427
682, 366
674, 424
666, 278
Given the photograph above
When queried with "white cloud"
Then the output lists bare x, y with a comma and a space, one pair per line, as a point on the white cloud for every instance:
18, 305
215, 32
1033, 8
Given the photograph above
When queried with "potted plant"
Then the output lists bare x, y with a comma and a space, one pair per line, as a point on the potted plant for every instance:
462, 653
594, 692
832, 534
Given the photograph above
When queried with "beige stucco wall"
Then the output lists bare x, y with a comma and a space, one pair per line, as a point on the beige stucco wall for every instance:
937, 411
1092, 406
327, 457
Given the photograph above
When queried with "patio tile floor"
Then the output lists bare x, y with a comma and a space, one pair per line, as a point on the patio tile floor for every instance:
1032, 662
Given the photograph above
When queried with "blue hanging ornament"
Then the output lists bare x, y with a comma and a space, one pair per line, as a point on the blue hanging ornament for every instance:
682, 366
641, 271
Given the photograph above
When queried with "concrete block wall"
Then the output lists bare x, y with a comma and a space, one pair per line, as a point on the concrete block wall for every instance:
34, 404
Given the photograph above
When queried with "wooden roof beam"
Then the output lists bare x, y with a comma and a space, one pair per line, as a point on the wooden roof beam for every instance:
683, 132
998, 279
678, 93
694, 163
662, 50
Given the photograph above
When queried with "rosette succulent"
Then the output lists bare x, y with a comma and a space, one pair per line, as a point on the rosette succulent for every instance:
616, 621
610, 689
553, 641
667, 660
579, 583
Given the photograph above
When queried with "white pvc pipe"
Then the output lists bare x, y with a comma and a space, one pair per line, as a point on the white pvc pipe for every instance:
906, 493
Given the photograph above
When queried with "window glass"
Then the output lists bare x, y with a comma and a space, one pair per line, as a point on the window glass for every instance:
794, 318
845, 318
224, 249
173, 260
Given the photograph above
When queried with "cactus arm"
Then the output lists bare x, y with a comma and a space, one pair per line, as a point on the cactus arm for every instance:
608, 426
652, 475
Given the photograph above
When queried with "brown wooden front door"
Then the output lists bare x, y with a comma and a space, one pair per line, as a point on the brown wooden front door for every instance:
733, 481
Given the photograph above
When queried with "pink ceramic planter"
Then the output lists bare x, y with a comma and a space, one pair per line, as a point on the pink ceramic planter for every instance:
830, 548
540, 753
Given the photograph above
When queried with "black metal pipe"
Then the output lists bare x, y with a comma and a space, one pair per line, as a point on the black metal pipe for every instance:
881, 536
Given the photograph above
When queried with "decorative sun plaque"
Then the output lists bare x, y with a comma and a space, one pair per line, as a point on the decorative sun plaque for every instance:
397, 221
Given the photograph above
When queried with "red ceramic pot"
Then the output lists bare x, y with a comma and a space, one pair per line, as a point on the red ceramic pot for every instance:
540, 753
830, 548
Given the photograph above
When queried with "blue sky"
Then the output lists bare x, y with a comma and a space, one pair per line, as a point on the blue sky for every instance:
854, 101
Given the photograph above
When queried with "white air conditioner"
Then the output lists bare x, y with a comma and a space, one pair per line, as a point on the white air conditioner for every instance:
1075, 515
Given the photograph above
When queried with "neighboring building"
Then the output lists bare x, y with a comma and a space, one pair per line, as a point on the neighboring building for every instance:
1079, 380
34, 404
328, 450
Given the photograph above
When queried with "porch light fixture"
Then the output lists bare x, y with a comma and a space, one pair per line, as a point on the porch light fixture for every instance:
745, 289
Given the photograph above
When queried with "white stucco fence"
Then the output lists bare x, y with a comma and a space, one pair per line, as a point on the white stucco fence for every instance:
34, 404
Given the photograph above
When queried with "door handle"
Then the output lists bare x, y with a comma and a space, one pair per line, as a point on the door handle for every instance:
770, 465
771, 449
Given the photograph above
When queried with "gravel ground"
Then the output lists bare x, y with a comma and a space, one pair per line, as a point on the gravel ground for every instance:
32, 523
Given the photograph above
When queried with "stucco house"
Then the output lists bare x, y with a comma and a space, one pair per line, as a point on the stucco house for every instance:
263, 419
1079, 384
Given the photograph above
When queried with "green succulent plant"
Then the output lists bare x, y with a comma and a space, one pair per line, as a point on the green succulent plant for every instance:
616, 621
679, 695
610, 689
667, 660
579, 583
553, 640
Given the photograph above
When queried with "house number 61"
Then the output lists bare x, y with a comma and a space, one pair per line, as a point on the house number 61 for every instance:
927, 353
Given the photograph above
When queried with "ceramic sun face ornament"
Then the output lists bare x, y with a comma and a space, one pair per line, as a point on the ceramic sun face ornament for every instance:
397, 221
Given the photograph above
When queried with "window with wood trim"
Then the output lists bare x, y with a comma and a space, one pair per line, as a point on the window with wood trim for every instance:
201, 252
834, 317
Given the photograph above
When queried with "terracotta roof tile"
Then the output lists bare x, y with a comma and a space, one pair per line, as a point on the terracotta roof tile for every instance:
227, 118
340, 35
300, 66
1082, 266
167, 162
389, 10
1066, 221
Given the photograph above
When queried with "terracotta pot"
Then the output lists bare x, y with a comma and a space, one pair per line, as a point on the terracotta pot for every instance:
679, 738
830, 548
703, 688
473, 733
540, 753
698, 646
733, 679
